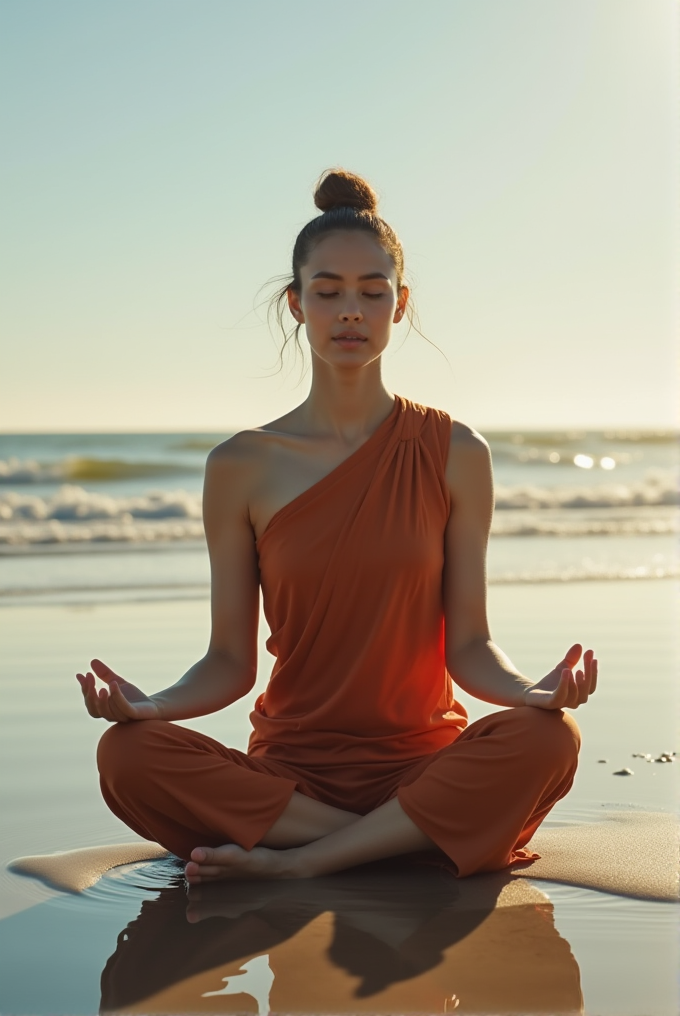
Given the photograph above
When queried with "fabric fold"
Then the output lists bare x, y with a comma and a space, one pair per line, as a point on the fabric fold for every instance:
351, 574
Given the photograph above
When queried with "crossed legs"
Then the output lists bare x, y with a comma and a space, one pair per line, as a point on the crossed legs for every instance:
479, 800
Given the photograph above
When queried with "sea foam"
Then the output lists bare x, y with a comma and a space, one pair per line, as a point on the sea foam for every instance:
75, 515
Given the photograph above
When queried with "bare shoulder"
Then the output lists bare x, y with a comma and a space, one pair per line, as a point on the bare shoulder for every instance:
248, 448
236, 468
233, 459
233, 469
469, 454
236, 453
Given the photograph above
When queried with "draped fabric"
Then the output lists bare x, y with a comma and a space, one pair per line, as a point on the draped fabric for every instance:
351, 574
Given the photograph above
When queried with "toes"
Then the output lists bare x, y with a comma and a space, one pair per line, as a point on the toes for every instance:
215, 855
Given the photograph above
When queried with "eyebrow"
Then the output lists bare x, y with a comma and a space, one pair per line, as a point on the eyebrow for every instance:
362, 278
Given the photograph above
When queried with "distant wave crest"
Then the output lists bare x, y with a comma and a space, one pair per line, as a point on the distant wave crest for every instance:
659, 488
79, 468
595, 573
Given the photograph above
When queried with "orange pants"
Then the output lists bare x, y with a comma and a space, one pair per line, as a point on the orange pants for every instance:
480, 799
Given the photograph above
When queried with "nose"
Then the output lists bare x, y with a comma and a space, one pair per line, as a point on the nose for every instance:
350, 314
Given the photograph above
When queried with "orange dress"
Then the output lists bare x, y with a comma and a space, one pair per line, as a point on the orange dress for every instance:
359, 707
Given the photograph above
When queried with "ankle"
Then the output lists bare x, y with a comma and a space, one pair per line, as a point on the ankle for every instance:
295, 863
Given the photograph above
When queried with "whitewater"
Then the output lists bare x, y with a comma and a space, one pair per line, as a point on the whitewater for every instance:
569, 506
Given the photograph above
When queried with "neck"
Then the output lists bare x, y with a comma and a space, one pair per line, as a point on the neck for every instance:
348, 404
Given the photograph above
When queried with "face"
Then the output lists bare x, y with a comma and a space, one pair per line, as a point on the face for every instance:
349, 299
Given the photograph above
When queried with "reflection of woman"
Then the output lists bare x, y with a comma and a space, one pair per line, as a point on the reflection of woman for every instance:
364, 518
356, 942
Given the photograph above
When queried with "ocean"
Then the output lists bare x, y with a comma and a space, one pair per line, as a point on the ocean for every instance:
88, 517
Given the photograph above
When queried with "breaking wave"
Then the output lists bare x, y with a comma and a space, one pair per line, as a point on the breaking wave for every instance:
73, 515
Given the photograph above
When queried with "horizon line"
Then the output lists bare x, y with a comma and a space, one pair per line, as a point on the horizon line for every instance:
228, 431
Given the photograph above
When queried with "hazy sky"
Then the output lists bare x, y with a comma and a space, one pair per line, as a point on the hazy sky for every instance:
159, 157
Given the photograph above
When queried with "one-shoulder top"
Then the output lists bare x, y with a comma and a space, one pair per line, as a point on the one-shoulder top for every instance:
352, 576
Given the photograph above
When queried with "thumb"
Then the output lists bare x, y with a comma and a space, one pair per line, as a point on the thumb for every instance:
557, 698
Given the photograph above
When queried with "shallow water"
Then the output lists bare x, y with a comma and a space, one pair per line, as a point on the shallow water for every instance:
357, 942
320, 950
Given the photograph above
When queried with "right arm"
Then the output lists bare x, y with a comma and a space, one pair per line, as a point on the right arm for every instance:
228, 669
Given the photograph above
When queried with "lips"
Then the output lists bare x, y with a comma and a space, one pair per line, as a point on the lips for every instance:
349, 336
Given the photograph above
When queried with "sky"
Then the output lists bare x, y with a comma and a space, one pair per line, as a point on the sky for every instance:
159, 158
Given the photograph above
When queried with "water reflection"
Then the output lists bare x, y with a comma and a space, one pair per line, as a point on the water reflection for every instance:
371, 940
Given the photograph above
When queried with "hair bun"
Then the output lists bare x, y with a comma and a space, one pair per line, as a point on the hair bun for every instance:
339, 189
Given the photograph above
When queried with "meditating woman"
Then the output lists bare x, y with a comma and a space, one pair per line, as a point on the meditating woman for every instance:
364, 518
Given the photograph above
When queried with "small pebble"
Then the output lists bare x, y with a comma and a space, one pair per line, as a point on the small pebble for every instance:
640, 754
661, 758
623, 772
603, 760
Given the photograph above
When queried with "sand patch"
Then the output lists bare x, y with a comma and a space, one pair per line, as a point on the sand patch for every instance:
629, 854
73, 871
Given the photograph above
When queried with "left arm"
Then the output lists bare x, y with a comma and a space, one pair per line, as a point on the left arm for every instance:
473, 660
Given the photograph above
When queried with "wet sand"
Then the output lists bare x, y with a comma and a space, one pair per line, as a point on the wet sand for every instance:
628, 853
352, 945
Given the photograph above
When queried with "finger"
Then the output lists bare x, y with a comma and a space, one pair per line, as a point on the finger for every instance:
103, 704
104, 672
83, 682
593, 683
117, 711
108, 708
572, 655
119, 704
582, 687
92, 700
571, 692
87, 687
571, 695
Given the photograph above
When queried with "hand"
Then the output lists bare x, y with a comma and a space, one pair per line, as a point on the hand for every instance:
561, 688
121, 702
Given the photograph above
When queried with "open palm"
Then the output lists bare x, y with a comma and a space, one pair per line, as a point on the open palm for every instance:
562, 688
120, 701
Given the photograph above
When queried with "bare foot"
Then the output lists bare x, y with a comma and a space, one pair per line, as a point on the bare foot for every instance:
211, 864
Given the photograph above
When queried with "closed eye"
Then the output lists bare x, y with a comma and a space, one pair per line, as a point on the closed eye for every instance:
326, 296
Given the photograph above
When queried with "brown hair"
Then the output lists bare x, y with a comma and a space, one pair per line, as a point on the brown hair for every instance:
346, 201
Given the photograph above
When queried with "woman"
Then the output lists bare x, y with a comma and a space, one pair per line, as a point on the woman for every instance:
365, 519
